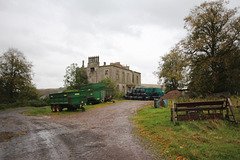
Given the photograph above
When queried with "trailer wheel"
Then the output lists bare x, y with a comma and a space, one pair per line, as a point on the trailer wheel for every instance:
58, 108
53, 108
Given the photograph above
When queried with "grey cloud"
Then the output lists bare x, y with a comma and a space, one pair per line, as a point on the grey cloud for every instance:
55, 33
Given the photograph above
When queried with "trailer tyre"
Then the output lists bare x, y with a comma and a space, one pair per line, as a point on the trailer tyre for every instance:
53, 108
57, 108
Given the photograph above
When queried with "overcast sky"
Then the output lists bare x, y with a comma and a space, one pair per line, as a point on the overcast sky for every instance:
53, 34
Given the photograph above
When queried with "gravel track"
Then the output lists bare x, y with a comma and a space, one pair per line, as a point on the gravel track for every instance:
103, 133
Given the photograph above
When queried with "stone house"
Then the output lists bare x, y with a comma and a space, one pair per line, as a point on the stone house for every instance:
125, 79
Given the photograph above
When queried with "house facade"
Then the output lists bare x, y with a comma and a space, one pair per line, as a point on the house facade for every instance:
124, 78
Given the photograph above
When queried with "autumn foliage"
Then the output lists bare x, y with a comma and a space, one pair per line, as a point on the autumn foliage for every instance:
211, 50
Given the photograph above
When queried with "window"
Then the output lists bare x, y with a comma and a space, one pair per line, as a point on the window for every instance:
106, 72
123, 77
117, 75
92, 69
128, 79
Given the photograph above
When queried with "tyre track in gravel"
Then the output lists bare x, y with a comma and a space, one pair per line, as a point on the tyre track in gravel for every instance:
102, 133
35, 138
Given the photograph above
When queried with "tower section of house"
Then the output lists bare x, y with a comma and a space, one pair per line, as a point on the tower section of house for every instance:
124, 78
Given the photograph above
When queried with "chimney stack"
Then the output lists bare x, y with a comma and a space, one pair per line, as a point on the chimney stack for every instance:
83, 63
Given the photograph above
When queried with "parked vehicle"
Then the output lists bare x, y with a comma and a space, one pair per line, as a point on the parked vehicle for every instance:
96, 93
88, 94
143, 93
70, 100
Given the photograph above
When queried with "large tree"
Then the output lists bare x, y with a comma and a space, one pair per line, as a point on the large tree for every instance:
173, 69
75, 77
213, 45
16, 77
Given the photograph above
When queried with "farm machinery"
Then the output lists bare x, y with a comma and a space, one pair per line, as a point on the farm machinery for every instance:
143, 93
88, 94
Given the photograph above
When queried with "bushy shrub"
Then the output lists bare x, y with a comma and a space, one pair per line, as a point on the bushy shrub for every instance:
118, 95
3, 106
30, 103
37, 103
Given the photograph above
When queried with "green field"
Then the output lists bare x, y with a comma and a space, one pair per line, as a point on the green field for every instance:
209, 139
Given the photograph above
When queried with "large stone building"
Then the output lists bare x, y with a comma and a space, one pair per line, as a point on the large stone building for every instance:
125, 79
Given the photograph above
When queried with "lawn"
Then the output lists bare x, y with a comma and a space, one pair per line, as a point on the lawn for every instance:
209, 139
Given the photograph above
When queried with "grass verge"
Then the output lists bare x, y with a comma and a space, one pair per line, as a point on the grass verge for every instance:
48, 112
209, 139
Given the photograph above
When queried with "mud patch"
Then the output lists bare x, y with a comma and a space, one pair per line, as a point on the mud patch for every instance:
7, 118
6, 136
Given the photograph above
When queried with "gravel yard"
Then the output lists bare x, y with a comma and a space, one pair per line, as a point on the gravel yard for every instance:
102, 133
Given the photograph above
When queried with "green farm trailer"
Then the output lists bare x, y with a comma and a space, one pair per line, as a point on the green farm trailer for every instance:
88, 94
96, 93
70, 100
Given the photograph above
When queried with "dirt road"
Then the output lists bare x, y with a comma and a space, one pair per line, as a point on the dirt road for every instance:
103, 133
